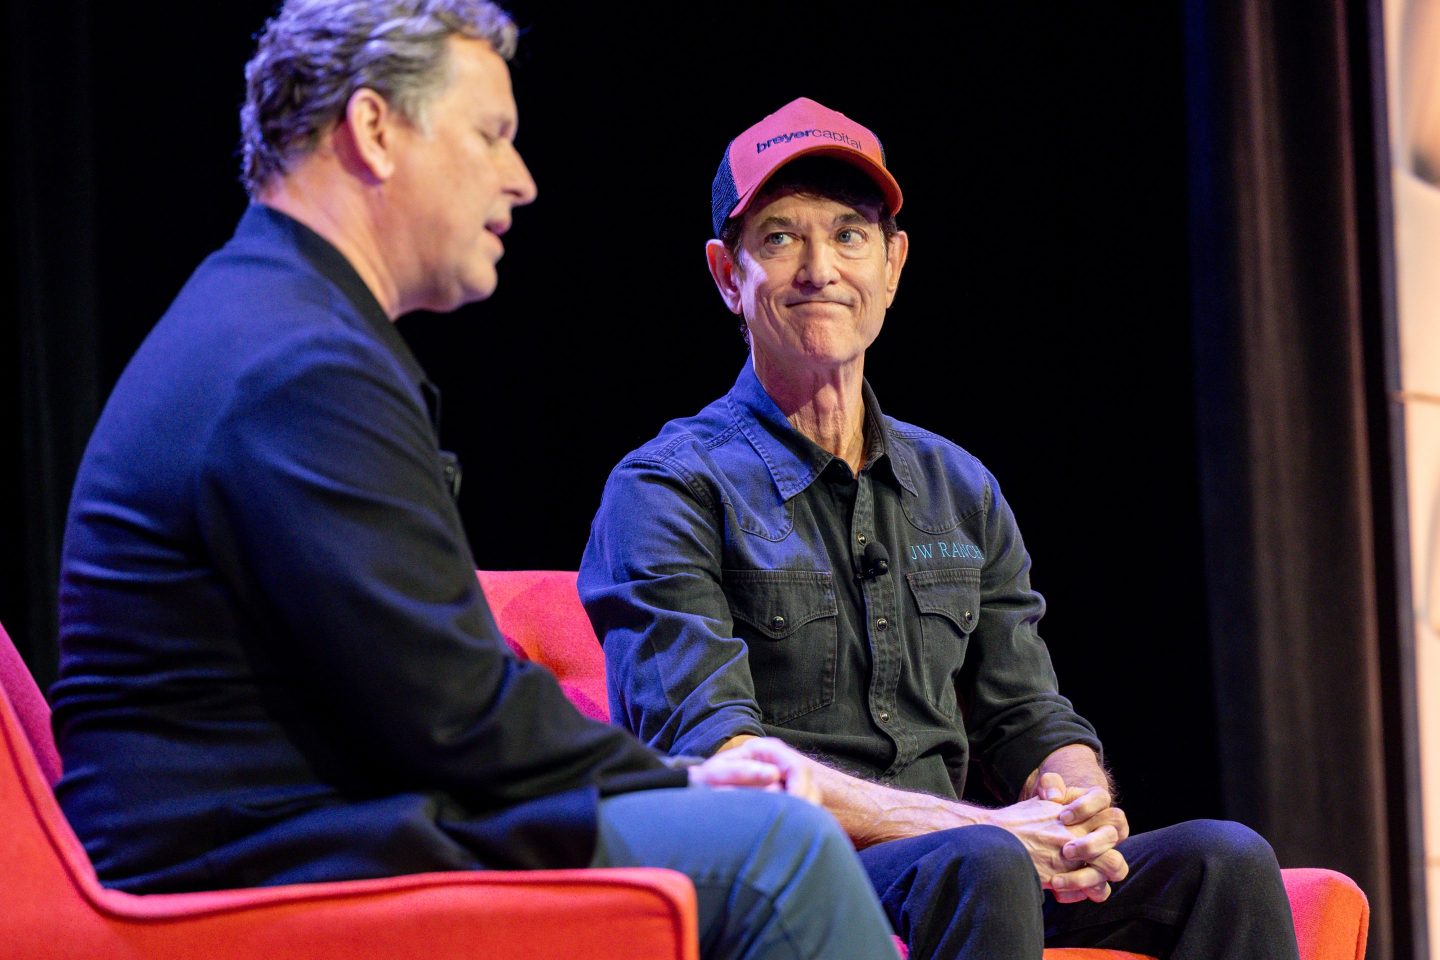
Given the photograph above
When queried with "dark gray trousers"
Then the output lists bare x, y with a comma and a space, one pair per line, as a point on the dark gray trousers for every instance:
1202, 890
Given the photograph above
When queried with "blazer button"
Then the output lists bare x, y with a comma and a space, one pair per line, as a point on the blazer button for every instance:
777, 622
882, 623
967, 616
884, 716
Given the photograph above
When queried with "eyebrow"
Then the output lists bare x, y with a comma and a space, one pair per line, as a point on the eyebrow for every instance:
773, 223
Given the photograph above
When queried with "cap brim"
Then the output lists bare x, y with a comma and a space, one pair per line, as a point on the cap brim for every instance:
888, 187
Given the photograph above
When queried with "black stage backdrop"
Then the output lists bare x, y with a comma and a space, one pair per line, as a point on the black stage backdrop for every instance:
1044, 321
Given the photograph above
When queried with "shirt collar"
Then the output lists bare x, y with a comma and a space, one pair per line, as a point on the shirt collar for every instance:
322, 256
793, 459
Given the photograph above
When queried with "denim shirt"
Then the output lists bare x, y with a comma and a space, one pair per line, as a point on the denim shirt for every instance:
726, 575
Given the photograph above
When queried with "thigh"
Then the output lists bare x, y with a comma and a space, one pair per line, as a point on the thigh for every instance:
977, 850
709, 835
969, 892
1217, 868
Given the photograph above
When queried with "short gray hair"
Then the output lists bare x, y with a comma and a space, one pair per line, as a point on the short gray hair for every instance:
314, 54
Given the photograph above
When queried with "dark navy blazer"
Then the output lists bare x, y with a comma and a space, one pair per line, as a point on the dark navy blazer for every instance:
277, 665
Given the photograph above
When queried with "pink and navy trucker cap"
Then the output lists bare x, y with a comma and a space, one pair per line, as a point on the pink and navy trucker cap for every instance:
801, 128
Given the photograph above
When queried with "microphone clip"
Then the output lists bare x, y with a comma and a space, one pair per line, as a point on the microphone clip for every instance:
874, 562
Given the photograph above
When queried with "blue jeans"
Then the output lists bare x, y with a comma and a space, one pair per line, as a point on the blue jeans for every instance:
775, 877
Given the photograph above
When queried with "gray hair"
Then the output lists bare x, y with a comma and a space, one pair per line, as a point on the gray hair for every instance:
314, 54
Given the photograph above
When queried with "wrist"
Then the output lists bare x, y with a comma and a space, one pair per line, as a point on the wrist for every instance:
968, 815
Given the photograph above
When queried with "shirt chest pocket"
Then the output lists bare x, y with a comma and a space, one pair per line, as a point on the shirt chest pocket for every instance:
788, 621
949, 605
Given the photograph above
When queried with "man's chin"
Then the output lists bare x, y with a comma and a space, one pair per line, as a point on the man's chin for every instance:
457, 295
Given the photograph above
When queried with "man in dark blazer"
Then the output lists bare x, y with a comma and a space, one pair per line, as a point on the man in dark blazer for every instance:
277, 665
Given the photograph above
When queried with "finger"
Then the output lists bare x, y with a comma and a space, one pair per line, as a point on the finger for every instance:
1098, 893
799, 783
1112, 865
1051, 787
1085, 806
768, 750
1112, 815
735, 772
1091, 845
1069, 896
1077, 880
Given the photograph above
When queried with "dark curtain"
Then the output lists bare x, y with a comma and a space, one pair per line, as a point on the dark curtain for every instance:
1290, 280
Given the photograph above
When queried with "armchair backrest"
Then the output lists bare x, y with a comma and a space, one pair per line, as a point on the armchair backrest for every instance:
41, 854
31, 710
539, 613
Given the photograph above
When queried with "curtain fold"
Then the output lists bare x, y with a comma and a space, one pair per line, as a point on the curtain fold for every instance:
1288, 298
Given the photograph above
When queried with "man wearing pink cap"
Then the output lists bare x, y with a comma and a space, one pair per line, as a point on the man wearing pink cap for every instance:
791, 563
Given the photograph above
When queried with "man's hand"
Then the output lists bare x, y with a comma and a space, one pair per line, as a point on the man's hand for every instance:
1096, 826
762, 762
1070, 832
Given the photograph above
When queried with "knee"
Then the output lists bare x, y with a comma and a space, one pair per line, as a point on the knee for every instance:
801, 824
796, 814
988, 858
1227, 849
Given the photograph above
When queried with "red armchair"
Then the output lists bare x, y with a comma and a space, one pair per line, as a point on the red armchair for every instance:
540, 614
55, 909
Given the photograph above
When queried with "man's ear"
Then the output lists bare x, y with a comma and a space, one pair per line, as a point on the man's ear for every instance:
366, 136
895, 253
725, 272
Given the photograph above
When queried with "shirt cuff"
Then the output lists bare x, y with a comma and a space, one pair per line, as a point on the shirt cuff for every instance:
682, 761
657, 779
1013, 767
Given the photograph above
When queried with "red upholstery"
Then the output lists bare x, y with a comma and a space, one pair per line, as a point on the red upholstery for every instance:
1332, 914
615, 914
540, 614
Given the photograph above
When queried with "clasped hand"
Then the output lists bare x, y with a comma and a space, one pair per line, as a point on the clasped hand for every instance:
1070, 834
765, 763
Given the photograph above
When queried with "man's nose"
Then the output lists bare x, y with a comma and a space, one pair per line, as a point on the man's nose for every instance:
518, 182
817, 265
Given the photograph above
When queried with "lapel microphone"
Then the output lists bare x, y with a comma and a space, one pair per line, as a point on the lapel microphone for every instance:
874, 562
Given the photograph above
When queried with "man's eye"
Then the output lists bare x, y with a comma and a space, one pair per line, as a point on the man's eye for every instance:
776, 239
850, 235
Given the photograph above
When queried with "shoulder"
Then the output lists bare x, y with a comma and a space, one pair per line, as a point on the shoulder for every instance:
253, 316
686, 447
706, 462
936, 461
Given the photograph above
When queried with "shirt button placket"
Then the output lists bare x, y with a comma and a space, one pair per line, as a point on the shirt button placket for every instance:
879, 599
